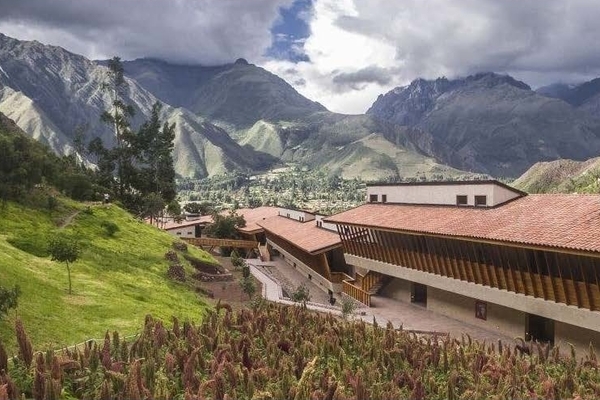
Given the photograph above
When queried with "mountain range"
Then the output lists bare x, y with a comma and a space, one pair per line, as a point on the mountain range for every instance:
240, 117
491, 123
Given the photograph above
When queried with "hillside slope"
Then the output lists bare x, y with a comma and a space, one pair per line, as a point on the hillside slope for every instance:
561, 176
116, 281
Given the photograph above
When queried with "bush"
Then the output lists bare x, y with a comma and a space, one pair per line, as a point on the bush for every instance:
245, 270
176, 272
171, 256
8, 299
301, 295
110, 228
248, 286
180, 246
348, 306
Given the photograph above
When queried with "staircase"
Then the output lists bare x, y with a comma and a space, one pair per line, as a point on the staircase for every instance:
381, 281
264, 253
364, 286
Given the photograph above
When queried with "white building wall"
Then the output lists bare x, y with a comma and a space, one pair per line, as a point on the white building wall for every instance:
443, 194
398, 289
184, 231
513, 301
325, 225
298, 215
501, 319
580, 338
305, 270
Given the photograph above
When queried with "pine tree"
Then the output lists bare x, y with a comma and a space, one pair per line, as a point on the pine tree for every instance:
119, 117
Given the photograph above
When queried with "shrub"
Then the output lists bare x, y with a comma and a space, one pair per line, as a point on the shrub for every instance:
8, 299
180, 246
301, 294
348, 306
110, 228
248, 286
171, 256
176, 272
245, 270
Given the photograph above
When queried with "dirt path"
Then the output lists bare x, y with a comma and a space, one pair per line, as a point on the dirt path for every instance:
69, 219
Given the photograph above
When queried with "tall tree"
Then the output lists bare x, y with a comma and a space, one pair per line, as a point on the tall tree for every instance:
155, 142
119, 117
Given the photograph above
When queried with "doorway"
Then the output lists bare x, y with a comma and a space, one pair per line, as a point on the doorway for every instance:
418, 294
539, 329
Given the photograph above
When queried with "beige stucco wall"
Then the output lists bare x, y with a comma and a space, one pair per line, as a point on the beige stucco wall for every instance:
501, 319
398, 289
305, 270
579, 337
442, 194
184, 232
513, 301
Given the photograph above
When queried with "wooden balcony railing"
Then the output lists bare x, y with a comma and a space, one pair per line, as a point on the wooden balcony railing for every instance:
339, 277
356, 293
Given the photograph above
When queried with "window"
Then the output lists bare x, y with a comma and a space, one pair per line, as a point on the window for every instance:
179, 233
320, 224
373, 198
384, 198
190, 232
461, 200
481, 200
481, 309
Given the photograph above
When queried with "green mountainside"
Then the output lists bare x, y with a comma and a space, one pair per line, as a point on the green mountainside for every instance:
561, 176
116, 281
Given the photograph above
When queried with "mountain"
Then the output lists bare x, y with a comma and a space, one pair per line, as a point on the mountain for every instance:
585, 96
263, 112
489, 123
237, 94
561, 176
50, 93
231, 117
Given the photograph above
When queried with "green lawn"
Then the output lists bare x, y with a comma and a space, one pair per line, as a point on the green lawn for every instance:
116, 281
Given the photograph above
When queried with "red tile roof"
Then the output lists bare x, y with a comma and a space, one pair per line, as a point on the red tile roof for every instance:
304, 235
255, 215
570, 221
203, 220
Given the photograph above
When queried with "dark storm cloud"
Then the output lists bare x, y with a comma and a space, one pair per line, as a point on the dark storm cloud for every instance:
199, 31
533, 38
345, 81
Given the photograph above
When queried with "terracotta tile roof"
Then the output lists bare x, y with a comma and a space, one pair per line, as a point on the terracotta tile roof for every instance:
570, 221
305, 235
255, 215
203, 220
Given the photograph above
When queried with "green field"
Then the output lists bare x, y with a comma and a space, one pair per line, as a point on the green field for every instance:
116, 281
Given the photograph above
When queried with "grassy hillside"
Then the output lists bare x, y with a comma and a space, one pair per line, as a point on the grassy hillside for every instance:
116, 281
561, 176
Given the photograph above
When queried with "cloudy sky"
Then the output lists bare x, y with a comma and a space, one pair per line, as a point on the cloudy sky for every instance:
342, 53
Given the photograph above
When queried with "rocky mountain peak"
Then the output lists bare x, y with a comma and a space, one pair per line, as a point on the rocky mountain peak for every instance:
491, 79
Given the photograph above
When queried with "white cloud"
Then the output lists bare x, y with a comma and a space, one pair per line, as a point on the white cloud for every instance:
537, 41
357, 48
